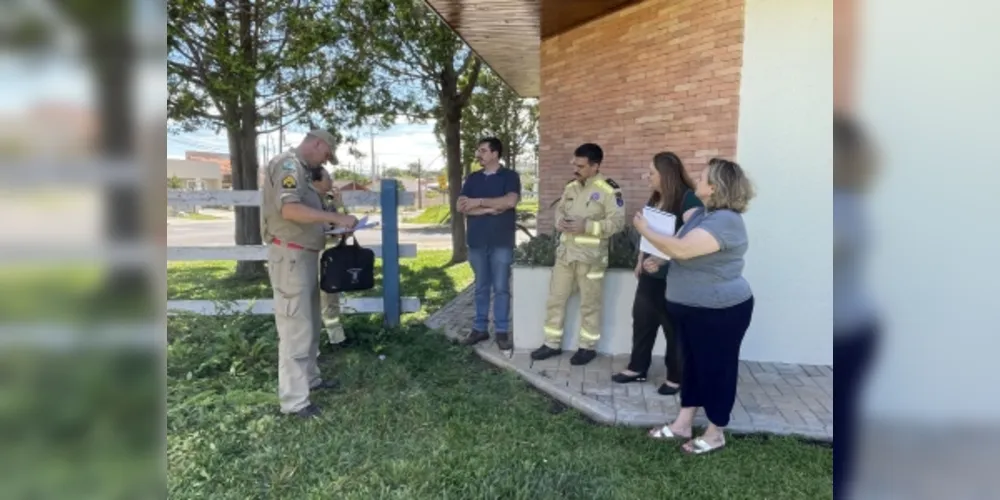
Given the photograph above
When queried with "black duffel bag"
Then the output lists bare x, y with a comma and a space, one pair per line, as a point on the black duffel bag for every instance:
347, 268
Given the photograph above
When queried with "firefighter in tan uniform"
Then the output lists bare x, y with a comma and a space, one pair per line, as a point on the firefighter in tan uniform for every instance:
330, 302
292, 222
589, 212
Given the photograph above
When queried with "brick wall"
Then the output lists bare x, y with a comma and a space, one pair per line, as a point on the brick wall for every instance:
662, 75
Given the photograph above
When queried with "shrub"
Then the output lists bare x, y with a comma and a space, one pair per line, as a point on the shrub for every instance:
540, 251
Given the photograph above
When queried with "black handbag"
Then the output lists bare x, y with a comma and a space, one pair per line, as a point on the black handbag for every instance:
347, 268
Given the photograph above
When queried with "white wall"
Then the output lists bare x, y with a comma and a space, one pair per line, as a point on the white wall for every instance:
784, 143
193, 169
928, 95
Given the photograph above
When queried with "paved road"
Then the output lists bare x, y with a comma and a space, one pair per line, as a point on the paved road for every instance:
186, 232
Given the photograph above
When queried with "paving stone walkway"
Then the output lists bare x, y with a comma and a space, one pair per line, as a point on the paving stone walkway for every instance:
774, 398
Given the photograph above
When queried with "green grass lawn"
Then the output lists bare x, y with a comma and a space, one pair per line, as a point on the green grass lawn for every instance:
427, 419
198, 217
438, 214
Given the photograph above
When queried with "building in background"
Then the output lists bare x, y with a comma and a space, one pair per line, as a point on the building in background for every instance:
742, 79
50, 130
219, 159
195, 175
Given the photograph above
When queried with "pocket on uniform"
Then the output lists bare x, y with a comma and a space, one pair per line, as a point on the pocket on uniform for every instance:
287, 277
287, 305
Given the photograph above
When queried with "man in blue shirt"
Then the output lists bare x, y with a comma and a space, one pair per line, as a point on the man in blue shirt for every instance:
488, 200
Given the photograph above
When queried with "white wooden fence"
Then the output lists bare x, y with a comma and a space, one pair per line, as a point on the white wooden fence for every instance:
181, 198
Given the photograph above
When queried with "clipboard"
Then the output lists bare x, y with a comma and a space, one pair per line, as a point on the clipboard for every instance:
362, 224
660, 222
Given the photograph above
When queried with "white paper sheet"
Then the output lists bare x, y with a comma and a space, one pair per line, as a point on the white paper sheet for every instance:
362, 224
660, 222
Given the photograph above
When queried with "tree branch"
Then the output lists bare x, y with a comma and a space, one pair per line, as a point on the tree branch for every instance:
398, 72
294, 118
279, 54
465, 93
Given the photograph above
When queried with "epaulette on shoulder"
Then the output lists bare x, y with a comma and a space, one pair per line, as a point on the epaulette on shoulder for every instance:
611, 182
571, 181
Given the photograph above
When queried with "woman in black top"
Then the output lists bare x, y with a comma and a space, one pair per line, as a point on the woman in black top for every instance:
673, 193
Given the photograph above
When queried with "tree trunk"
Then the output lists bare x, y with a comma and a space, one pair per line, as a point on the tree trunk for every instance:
453, 150
243, 151
111, 61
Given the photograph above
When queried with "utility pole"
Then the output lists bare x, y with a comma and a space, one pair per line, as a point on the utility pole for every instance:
371, 135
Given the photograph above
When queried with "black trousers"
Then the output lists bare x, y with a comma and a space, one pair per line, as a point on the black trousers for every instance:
853, 354
649, 314
710, 342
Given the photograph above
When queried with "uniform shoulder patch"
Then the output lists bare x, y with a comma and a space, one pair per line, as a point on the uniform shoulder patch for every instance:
289, 181
618, 199
611, 182
289, 165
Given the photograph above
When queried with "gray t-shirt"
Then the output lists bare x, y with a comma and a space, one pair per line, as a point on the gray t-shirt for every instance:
852, 308
714, 280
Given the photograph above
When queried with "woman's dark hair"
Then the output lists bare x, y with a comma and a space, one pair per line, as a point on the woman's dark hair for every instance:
674, 182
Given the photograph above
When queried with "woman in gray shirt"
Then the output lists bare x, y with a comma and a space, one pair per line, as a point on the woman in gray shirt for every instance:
709, 300
855, 322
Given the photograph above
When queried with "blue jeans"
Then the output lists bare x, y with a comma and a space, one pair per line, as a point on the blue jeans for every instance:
491, 266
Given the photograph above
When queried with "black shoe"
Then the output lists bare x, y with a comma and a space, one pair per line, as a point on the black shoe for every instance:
667, 390
544, 352
621, 378
327, 385
503, 341
311, 411
474, 337
583, 356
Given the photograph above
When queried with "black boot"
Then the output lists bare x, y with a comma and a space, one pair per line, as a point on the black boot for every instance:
583, 356
544, 352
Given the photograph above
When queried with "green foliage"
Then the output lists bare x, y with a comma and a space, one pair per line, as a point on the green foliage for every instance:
349, 175
540, 251
623, 249
496, 110
421, 69
174, 182
280, 57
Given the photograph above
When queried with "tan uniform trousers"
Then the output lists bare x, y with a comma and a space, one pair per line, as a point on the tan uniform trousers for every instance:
330, 303
295, 279
566, 276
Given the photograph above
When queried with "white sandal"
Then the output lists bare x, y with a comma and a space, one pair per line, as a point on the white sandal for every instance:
700, 447
664, 432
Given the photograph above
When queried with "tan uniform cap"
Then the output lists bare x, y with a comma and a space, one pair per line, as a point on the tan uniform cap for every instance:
326, 137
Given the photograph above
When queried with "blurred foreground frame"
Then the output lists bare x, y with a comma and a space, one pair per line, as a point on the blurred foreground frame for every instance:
81, 376
102, 37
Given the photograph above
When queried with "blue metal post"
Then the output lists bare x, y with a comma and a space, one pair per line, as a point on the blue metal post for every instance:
390, 252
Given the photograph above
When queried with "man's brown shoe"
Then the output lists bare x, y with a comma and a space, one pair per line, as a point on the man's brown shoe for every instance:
474, 337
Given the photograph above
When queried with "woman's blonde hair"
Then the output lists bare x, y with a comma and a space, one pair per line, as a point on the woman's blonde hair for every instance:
732, 188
